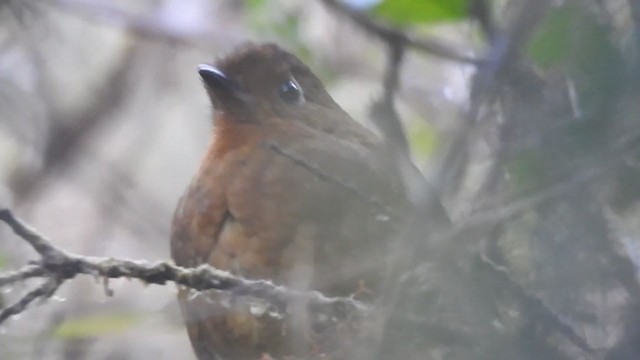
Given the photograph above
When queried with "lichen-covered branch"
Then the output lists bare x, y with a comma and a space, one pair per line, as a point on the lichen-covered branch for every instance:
57, 266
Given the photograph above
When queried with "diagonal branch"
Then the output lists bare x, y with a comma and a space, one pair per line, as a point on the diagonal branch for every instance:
41, 245
502, 57
532, 304
69, 131
44, 291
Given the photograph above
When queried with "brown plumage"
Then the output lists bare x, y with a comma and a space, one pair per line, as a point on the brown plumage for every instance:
291, 189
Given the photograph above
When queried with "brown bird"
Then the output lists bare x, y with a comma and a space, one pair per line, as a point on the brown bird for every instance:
292, 190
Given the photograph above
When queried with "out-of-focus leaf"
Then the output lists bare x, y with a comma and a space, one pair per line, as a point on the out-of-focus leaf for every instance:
423, 139
4, 261
255, 4
552, 42
572, 41
96, 325
273, 20
406, 12
288, 28
573, 38
527, 170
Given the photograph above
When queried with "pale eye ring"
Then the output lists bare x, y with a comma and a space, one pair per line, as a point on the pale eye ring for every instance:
290, 92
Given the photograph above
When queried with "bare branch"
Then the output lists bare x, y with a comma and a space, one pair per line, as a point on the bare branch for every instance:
488, 217
383, 111
57, 266
536, 308
480, 10
503, 56
70, 130
44, 291
28, 271
392, 35
37, 242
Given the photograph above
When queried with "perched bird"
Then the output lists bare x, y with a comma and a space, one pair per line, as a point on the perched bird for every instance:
291, 190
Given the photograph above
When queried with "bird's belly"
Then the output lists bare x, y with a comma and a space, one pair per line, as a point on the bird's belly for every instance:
333, 258
245, 327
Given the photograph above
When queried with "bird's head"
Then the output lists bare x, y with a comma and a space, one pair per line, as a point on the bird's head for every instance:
261, 82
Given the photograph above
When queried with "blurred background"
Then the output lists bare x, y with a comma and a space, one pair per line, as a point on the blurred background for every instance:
522, 114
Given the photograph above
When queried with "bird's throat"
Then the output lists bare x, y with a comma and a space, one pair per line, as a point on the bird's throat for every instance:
230, 135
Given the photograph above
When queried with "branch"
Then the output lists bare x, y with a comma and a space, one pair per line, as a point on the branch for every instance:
150, 25
390, 34
503, 56
383, 111
57, 266
537, 309
44, 291
27, 272
69, 131
480, 10
490, 216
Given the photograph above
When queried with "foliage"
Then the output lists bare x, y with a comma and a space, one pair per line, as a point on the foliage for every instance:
407, 12
96, 325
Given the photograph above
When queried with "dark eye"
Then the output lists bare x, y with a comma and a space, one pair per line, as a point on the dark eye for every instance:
290, 92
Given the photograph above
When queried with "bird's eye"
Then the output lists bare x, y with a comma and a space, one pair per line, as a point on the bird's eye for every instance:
290, 92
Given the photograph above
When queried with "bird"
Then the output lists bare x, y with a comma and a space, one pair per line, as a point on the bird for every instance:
291, 190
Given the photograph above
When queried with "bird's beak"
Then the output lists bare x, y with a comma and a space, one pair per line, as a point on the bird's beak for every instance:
220, 86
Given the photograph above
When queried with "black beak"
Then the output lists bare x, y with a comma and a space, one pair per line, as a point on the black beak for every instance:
220, 86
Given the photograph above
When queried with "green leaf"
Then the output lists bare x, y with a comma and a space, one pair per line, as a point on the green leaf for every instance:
273, 21
255, 4
552, 43
96, 325
423, 138
4, 261
407, 12
572, 38
573, 41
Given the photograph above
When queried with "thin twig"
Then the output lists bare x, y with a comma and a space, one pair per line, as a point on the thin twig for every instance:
535, 306
488, 217
43, 292
41, 245
503, 56
28, 271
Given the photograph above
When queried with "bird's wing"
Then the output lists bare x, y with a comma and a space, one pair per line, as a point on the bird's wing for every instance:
234, 216
199, 217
